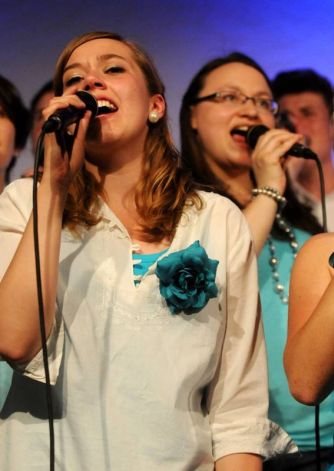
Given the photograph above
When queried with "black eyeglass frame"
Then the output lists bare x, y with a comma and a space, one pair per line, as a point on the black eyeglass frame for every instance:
214, 96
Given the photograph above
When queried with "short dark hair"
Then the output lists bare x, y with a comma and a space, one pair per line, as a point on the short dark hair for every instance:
46, 88
13, 107
303, 80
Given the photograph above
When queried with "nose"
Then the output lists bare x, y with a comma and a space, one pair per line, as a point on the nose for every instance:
94, 81
249, 107
298, 125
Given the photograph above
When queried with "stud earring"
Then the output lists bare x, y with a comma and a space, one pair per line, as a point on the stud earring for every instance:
153, 116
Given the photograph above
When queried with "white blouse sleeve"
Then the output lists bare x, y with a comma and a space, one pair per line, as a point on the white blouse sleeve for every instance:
15, 211
238, 396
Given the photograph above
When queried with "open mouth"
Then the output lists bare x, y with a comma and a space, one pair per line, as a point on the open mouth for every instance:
242, 131
105, 107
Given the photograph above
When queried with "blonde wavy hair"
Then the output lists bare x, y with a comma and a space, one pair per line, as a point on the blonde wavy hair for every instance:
163, 189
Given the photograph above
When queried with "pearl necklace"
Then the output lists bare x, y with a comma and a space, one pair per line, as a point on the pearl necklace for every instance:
279, 288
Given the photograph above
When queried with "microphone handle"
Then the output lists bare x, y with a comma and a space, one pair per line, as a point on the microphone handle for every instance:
66, 116
298, 150
58, 121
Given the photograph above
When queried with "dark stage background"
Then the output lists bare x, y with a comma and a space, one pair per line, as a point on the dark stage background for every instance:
179, 35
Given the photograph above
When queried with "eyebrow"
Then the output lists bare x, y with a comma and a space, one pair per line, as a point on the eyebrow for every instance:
101, 58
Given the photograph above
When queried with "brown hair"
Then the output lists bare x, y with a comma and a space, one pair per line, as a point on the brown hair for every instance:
163, 189
191, 149
13, 107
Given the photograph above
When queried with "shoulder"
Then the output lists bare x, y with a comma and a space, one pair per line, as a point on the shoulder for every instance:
317, 246
222, 224
214, 202
222, 213
313, 257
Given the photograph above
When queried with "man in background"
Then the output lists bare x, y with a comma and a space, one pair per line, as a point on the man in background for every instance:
305, 98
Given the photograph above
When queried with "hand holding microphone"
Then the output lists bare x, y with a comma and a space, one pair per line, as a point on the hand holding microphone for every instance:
62, 162
268, 157
296, 150
62, 118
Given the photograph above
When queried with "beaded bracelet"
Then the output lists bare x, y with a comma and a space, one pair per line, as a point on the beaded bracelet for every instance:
272, 193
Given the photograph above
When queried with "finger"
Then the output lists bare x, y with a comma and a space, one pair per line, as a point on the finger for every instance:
276, 145
62, 102
278, 135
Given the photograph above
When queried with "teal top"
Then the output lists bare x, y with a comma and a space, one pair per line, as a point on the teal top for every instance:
5, 381
142, 262
297, 419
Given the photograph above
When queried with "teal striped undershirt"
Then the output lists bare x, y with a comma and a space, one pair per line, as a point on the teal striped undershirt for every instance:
143, 263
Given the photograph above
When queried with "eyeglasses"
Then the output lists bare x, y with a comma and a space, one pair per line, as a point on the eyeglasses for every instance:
233, 99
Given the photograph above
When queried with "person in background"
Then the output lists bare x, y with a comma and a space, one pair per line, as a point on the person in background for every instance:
150, 292
38, 103
306, 99
14, 128
228, 96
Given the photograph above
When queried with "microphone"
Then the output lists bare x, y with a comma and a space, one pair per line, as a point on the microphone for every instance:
64, 117
297, 150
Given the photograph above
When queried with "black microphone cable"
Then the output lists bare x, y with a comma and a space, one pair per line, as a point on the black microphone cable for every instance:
56, 124
48, 389
324, 224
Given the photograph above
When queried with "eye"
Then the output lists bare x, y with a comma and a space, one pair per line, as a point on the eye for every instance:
307, 112
227, 97
114, 69
264, 103
73, 80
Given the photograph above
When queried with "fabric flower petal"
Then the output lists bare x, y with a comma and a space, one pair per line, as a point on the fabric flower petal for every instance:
187, 279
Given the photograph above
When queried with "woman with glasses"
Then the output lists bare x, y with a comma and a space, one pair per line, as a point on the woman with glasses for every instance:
225, 99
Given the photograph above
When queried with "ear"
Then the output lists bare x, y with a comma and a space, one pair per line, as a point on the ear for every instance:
158, 105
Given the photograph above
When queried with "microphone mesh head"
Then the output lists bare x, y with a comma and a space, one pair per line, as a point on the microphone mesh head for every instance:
254, 133
89, 100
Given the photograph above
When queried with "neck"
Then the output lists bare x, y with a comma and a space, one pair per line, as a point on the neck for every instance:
119, 177
118, 181
237, 181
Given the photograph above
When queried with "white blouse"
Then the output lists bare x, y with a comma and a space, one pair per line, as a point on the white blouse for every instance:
135, 387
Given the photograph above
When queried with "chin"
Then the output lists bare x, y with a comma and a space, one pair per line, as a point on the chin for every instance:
243, 159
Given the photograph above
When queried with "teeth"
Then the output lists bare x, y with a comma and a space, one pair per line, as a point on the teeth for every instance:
106, 104
241, 131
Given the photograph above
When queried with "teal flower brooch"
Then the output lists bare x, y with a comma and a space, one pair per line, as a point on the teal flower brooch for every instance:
187, 279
